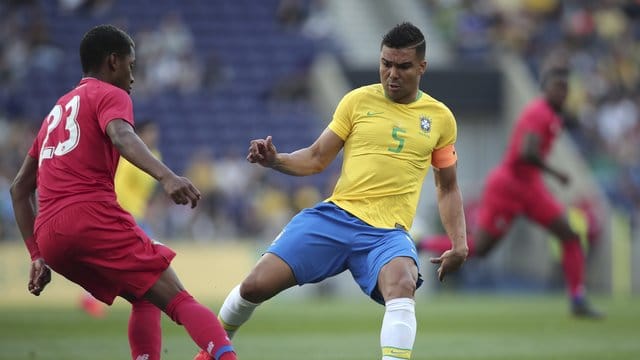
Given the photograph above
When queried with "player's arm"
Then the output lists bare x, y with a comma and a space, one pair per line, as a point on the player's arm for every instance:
307, 161
132, 148
530, 152
452, 217
23, 191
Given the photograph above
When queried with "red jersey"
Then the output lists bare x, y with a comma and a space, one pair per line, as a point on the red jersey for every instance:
538, 118
76, 159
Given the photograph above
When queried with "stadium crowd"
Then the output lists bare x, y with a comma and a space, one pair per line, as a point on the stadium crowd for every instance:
239, 201
602, 40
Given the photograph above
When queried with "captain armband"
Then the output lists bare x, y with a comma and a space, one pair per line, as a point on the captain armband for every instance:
444, 157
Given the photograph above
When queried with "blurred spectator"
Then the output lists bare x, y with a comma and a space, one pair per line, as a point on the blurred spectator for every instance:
201, 171
319, 27
166, 58
25, 44
90, 7
15, 139
471, 31
290, 13
216, 72
272, 206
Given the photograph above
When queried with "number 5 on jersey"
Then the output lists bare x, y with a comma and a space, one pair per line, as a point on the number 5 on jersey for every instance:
396, 136
65, 145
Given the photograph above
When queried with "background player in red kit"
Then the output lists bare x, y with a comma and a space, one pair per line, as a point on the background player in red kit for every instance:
80, 231
516, 188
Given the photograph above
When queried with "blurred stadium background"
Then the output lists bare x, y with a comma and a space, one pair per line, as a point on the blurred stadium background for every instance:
215, 74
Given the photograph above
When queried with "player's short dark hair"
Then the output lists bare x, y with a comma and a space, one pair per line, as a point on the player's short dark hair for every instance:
100, 42
405, 35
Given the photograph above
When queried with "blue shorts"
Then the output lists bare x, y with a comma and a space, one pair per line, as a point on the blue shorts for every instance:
325, 240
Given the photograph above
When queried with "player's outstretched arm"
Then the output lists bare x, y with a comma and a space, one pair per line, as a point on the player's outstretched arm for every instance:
23, 191
530, 152
452, 216
307, 161
132, 148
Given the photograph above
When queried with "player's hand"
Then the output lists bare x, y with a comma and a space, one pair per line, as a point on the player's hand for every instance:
450, 261
39, 276
262, 151
181, 190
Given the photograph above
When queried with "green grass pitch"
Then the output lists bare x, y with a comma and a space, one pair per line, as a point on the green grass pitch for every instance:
451, 327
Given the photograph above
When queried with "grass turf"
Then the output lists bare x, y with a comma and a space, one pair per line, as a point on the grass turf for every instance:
451, 327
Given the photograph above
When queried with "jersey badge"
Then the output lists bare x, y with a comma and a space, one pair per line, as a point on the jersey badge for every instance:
425, 124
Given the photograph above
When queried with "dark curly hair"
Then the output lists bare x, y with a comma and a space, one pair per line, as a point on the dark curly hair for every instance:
405, 35
100, 42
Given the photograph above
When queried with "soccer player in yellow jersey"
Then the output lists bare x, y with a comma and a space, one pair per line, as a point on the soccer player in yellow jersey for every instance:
391, 133
133, 186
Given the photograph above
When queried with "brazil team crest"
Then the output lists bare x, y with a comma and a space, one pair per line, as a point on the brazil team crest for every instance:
425, 124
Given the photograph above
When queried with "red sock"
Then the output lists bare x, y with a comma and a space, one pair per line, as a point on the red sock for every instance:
573, 266
145, 333
202, 325
438, 244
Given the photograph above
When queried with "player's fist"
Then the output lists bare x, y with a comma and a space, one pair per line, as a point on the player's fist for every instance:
262, 151
39, 276
181, 190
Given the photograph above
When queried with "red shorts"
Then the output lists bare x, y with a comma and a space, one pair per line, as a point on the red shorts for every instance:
98, 246
506, 196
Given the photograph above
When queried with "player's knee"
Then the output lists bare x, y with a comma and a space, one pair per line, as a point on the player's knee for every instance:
407, 287
254, 290
401, 288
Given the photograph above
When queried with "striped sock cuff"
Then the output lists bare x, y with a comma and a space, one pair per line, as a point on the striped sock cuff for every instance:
227, 327
395, 352
222, 351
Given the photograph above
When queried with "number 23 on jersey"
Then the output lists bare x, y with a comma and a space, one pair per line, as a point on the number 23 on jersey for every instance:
51, 146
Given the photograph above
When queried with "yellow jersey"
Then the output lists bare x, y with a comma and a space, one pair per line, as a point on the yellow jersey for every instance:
134, 187
388, 148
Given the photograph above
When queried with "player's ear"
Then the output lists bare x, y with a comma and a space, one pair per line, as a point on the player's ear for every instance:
112, 61
423, 67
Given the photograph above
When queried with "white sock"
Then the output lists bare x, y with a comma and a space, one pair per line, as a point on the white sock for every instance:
235, 311
398, 329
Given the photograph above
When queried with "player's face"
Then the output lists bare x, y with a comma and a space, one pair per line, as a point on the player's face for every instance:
400, 72
123, 76
556, 91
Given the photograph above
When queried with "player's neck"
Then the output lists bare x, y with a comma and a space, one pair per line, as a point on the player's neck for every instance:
556, 108
98, 75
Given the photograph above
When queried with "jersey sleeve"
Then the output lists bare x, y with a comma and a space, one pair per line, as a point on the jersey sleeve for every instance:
537, 121
34, 150
342, 121
115, 104
449, 130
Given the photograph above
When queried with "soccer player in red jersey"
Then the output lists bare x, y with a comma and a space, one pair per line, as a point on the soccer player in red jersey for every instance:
516, 188
79, 229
